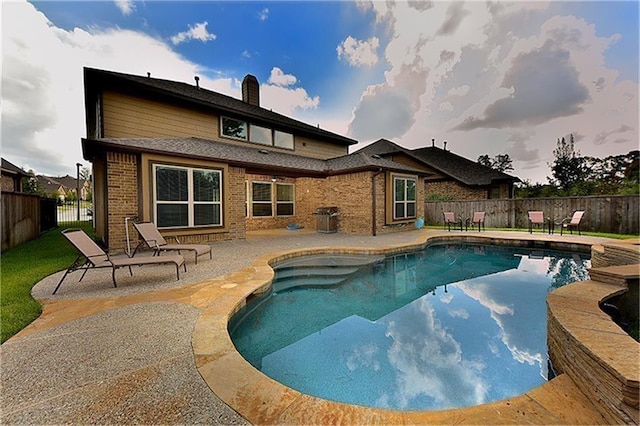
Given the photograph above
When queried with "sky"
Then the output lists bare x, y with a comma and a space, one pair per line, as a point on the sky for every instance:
487, 77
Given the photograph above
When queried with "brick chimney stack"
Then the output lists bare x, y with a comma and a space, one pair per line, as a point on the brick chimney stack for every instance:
251, 90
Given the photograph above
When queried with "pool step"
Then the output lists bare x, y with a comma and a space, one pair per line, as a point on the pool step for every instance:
328, 260
318, 271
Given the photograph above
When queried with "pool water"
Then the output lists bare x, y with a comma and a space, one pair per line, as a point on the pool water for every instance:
450, 326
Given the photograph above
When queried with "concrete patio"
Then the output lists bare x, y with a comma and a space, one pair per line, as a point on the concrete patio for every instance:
155, 350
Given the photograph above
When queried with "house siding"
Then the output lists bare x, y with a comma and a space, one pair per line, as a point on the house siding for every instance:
126, 116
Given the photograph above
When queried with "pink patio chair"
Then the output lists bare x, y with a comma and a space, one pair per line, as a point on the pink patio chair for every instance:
536, 218
477, 219
450, 219
572, 222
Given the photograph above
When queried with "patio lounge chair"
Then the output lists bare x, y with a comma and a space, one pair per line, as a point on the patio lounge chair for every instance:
572, 222
536, 218
450, 218
477, 219
92, 256
155, 241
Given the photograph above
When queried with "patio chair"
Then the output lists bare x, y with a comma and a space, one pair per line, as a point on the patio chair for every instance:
477, 219
92, 256
450, 219
572, 222
536, 218
155, 241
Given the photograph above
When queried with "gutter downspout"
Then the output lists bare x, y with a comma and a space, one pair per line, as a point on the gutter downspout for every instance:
373, 201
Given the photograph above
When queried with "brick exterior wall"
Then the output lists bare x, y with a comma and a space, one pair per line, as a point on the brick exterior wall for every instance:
351, 193
122, 197
455, 191
123, 201
7, 184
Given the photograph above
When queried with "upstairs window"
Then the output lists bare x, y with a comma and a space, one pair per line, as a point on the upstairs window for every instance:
232, 128
261, 135
404, 198
283, 140
187, 197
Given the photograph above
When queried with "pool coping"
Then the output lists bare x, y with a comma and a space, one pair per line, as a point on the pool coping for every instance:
262, 400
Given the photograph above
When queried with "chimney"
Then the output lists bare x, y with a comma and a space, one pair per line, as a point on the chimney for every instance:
433, 142
197, 81
251, 90
445, 145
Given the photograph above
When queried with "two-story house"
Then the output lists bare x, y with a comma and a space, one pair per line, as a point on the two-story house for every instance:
208, 167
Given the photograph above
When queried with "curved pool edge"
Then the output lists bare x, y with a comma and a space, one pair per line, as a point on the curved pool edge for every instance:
262, 400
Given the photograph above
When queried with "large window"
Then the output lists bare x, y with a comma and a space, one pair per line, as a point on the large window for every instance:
187, 197
267, 198
404, 198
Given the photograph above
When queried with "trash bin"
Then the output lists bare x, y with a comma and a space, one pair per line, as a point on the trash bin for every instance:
326, 219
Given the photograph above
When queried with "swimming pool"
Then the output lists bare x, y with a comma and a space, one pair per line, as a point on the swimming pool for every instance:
452, 325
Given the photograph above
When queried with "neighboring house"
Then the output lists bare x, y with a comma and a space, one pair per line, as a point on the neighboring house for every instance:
207, 167
451, 175
70, 185
51, 187
11, 177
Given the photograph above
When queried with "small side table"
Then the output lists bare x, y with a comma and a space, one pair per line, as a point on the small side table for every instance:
550, 225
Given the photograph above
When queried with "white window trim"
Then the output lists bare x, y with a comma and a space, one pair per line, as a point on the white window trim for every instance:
405, 201
190, 197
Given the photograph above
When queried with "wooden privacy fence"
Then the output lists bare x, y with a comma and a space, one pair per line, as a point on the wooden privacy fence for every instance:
20, 218
618, 214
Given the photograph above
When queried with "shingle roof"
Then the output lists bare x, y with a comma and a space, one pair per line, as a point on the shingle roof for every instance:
11, 168
218, 101
462, 169
245, 156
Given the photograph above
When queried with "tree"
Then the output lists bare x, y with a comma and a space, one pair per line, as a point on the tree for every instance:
567, 168
501, 162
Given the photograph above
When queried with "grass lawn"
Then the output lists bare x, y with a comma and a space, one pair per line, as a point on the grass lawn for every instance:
21, 268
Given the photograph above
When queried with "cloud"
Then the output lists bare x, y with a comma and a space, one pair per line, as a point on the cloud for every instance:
459, 91
455, 14
279, 78
544, 85
263, 14
127, 7
605, 136
195, 32
42, 86
279, 96
359, 52
525, 69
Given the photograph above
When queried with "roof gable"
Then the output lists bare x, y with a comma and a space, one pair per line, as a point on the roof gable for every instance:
446, 162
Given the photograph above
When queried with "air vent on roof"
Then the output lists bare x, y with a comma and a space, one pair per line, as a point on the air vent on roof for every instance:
376, 156
197, 81
148, 74
263, 151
